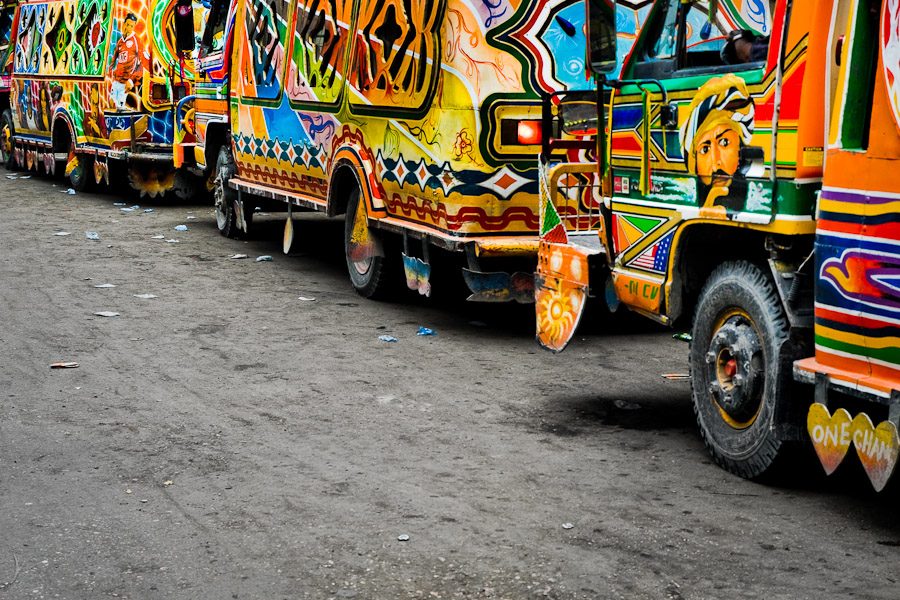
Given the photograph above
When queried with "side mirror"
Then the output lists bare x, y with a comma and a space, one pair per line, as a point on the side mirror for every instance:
601, 19
184, 26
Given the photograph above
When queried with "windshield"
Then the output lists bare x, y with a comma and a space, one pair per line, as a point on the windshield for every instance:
6, 18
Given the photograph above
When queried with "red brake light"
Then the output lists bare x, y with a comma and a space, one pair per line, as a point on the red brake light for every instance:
529, 132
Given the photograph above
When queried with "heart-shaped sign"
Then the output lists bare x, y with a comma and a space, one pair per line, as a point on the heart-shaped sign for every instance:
877, 447
831, 435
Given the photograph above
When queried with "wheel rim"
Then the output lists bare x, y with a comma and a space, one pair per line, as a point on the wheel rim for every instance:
221, 214
5, 143
735, 364
361, 241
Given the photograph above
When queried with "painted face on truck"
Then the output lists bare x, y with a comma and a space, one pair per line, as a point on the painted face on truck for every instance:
718, 155
720, 122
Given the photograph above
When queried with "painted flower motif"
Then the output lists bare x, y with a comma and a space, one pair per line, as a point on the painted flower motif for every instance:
557, 314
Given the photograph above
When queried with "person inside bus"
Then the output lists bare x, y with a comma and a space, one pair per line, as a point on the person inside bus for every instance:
744, 46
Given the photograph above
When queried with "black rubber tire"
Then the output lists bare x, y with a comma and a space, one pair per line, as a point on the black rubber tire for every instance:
224, 197
370, 278
82, 180
739, 316
6, 154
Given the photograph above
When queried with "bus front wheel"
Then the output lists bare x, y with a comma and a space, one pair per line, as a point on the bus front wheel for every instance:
738, 333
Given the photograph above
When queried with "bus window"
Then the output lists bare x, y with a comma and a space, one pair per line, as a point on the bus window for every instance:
214, 34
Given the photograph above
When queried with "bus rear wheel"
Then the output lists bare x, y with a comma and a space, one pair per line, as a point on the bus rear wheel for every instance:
364, 251
736, 379
7, 135
225, 197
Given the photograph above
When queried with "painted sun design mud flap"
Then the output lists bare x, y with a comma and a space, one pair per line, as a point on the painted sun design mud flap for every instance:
418, 274
559, 305
499, 287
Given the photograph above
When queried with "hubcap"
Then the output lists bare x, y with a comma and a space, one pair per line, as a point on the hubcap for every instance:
5, 143
736, 370
219, 195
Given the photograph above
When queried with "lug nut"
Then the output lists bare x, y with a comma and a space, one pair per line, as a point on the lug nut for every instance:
710, 357
737, 380
713, 388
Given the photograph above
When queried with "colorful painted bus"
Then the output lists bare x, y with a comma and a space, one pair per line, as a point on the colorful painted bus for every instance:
7, 15
94, 83
744, 182
700, 207
418, 120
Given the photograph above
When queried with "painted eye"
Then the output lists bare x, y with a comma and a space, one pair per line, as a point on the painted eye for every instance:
703, 150
724, 142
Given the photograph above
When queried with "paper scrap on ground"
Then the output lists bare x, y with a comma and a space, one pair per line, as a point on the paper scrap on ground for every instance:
265, 258
64, 365
236, 256
305, 299
62, 233
158, 237
92, 235
105, 285
181, 228
106, 313
173, 241
146, 210
387, 338
145, 296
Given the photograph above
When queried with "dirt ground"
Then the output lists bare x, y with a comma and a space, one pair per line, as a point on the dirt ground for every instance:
227, 439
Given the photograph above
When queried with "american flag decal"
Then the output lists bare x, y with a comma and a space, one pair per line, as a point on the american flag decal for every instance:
656, 257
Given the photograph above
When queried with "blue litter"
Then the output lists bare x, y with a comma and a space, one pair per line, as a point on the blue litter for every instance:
265, 258
426, 331
387, 338
181, 228
148, 210
92, 235
119, 204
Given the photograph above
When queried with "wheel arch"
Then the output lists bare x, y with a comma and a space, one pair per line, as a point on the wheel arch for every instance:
345, 177
217, 136
699, 249
63, 130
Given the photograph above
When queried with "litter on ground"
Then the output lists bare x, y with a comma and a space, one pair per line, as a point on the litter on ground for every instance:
387, 338
106, 313
265, 258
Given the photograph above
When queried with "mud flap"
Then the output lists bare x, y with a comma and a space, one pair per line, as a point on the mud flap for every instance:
499, 287
49, 163
154, 183
559, 305
418, 274
101, 170
363, 245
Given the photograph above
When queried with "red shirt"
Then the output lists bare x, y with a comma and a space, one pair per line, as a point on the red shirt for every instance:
128, 60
